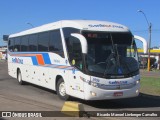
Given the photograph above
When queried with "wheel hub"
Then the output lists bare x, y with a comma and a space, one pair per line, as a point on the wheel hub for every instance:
62, 89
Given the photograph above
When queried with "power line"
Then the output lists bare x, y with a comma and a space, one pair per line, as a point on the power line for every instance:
154, 30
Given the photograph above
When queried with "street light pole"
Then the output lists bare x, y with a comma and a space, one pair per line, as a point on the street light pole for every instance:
149, 46
30, 25
149, 41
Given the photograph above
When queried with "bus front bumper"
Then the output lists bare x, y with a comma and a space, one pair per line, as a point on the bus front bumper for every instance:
93, 93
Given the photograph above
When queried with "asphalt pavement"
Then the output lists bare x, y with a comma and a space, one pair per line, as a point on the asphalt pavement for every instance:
29, 97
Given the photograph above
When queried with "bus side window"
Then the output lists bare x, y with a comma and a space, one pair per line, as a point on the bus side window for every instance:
33, 42
17, 44
43, 40
11, 44
55, 43
24, 43
75, 52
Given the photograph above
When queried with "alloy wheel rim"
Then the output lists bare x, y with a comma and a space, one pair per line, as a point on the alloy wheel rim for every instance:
62, 89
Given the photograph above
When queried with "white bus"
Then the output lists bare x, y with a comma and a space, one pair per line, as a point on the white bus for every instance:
91, 60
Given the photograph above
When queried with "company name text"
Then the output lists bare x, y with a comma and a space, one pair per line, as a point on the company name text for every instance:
17, 60
117, 82
103, 25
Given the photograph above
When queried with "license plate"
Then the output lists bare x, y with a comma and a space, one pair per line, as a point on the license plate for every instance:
116, 94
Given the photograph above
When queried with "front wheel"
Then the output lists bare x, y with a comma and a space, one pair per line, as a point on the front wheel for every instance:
61, 90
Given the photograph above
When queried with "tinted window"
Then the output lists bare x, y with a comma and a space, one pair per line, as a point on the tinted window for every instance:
17, 44
33, 42
55, 43
11, 44
75, 52
43, 40
67, 32
24, 43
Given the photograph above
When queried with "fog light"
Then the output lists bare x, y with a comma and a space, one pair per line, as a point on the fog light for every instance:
137, 81
93, 93
137, 91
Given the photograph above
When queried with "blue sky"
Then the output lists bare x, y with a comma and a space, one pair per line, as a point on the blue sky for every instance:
15, 14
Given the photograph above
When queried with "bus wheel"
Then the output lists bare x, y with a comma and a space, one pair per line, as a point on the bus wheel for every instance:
19, 77
61, 90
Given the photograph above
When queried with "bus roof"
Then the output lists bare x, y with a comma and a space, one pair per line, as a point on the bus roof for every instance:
91, 25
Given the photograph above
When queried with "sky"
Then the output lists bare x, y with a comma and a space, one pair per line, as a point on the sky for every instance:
15, 14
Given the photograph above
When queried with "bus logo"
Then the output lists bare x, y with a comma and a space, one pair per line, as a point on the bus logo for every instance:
104, 25
118, 82
17, 60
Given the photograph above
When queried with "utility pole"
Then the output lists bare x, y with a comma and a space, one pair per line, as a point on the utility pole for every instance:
149, 41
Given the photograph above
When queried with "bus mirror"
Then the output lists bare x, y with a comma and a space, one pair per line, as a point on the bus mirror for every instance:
145, 47
83, 42
5, 38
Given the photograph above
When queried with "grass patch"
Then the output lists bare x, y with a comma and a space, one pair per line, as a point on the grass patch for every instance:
150, 85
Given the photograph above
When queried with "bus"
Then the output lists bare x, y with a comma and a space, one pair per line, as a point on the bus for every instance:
86, 59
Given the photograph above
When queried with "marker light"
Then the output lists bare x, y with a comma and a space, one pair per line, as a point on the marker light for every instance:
137, 81
137, 91
93, 93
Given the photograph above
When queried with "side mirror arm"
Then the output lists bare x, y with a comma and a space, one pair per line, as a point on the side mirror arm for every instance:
145, 45
83, 42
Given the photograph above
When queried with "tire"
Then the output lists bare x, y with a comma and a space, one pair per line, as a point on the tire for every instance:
61, 90
19, 77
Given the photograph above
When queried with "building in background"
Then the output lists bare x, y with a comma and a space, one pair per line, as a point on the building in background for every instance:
154, 56
3, 52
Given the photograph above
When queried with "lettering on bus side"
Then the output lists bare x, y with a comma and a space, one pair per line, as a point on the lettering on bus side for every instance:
56, 61
103, 25
118, 82
17, 60
96, 80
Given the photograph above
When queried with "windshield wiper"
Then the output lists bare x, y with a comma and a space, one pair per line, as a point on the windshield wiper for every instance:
117, 55
113, 57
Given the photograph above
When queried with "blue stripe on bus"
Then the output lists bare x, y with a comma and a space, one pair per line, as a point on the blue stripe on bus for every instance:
34, 60
46, 58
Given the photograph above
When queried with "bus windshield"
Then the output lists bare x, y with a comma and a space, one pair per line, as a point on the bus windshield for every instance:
112, 55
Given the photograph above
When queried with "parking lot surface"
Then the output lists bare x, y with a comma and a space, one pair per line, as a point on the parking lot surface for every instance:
29, 97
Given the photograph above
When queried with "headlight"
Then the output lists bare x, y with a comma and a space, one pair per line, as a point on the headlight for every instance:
137, 82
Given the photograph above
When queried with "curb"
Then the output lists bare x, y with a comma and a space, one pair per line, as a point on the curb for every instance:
72, 109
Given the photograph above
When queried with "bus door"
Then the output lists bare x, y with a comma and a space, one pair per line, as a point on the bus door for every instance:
75, 59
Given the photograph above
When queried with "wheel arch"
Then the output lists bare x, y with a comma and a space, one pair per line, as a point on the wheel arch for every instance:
57, 78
